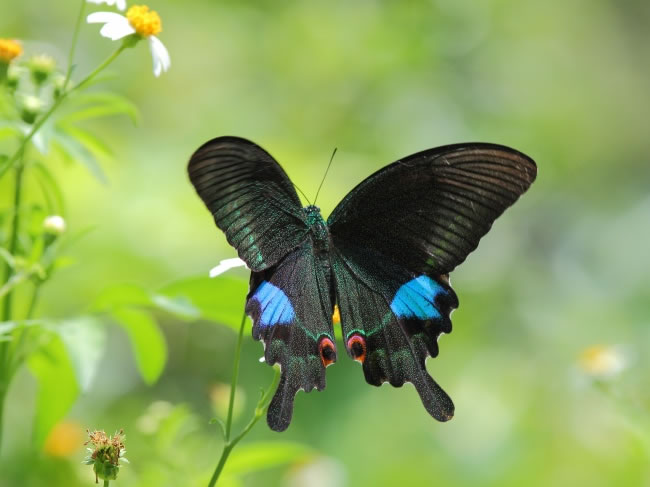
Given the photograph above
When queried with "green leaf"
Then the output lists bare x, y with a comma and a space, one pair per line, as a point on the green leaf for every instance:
92, 143
3, 162
122, 295
57, 387
262, 455
51, 190
147, 340
220, 299
99, 104
77, 152
9, 128
179, 305
7, 257
84, 339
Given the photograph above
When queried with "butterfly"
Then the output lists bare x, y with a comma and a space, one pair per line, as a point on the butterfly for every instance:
383, 257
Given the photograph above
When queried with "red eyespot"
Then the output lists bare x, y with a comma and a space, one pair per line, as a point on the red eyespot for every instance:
357, 347
327, 351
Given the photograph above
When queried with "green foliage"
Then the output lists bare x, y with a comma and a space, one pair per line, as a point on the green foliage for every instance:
146, 339
57, 386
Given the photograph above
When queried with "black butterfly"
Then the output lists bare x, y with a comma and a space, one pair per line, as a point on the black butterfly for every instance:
383, 256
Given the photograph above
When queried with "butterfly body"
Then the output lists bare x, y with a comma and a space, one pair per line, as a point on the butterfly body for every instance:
383, 256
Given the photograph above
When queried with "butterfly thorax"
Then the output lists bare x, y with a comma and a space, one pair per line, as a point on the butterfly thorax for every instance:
318, 227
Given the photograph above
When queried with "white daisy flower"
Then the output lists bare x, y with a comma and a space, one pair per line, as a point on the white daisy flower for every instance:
139, 21
120, 4
226, 264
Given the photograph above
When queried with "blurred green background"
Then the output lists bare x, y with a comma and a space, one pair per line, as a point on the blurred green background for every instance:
565, 269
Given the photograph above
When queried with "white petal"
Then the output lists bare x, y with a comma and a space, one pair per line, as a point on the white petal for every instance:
121, 4
115, 31
160, 56
226, 264
104, 17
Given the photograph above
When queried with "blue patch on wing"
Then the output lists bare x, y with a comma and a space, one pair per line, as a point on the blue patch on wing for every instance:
416, 299
275, 306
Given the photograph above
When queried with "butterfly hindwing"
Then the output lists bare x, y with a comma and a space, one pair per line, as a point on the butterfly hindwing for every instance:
251, 199
428, 211
291, 307
391, 320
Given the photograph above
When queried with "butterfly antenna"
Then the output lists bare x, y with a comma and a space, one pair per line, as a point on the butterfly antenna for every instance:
326, 171
300, 191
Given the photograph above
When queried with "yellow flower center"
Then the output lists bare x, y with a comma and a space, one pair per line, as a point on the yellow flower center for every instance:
9, 49
145, 22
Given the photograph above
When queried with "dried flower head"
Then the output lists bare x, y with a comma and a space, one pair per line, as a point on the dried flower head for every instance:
105, 454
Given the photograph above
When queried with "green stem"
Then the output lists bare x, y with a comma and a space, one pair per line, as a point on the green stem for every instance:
3, 393
73, 46
58, 102
105, 483
262, 405
13, 235
235, 376
5, 356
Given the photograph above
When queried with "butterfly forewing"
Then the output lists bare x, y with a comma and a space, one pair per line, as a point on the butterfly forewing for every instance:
251, 199
428, 211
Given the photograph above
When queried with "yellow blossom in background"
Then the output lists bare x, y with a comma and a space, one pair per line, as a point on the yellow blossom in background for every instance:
145, 22
141, 22
602, 360
9, 50
64, 439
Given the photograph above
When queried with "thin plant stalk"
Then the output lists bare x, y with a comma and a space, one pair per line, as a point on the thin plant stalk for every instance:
73, 44
260, 409
6, 370
58, 102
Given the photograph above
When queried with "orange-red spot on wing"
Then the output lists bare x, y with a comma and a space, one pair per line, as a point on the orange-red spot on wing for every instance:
327, 351
357, 347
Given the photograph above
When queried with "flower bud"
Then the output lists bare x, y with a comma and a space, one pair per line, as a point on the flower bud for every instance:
14, 73
41, 67
54, 224
30, 107
58, 82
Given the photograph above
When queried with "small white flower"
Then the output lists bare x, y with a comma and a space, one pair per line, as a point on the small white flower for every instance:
120, 4
140, 21
54, 224
226, 264
603, 360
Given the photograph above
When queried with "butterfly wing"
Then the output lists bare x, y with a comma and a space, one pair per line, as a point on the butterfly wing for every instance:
396, 237
291, 307
251, 199
391, 321
428, 211
254, 203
